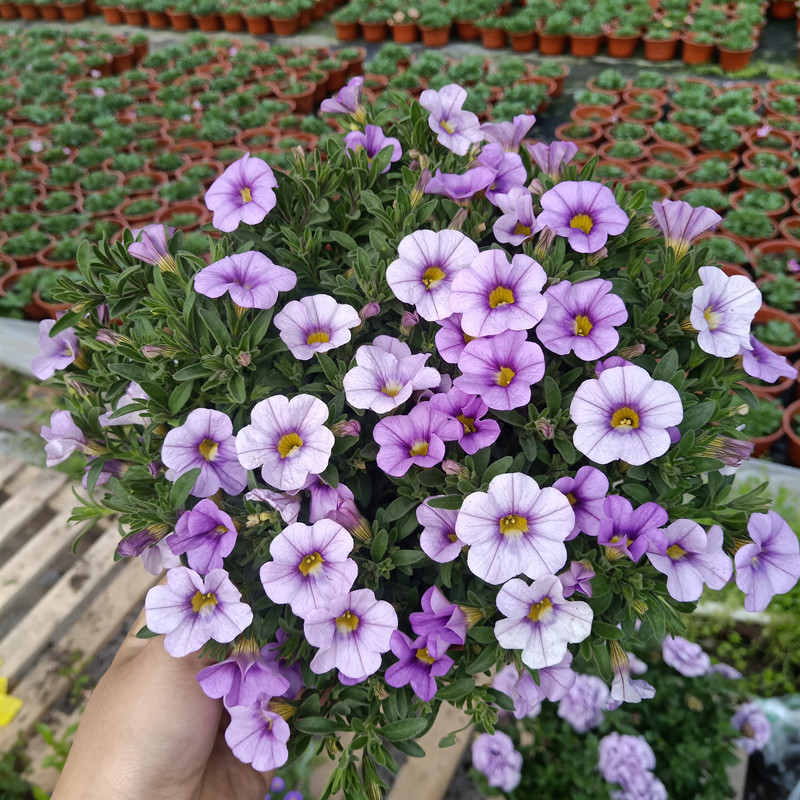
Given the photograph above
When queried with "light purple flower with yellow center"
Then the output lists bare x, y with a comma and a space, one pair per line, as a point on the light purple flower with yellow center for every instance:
287, 439
586, 493
205, 440
450, 339
552, 158
509, 133
251, 279
765, 364
461, 188
509, 171
258, 736
455, 128
315, 324
578, 578
414, 439
63, 438
681, 223
477, 433
585, 212
582, 318
522, 690
584, 703
630, 531
517, 222
556, 680
192, 610
347, 101
287, 504
351, 632
206, 534
152, 246
624, 414
494, 755
426, 264
438, 538
515, 528
754, 725
385, 375
440, 621
325, 499
723, 308
624, 688
493, 295
685, 657
501, 369
309, 566
56, 352
133, 394
419, 664
622, 758
539, 621
768, 565
693, 558
372, 141
245, 192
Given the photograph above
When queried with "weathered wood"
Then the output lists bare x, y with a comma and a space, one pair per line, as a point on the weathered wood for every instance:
8, 468
27, 502
25, 641
24, 475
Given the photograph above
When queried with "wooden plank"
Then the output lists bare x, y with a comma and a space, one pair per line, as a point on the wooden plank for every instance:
8, 468
37, 750
44, 685
38, 552
27, 502
23, 643
25, 475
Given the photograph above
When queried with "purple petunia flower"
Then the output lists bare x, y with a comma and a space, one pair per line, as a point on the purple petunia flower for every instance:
693, 558
205, 440
190, 610
258, 736
770, 564
315, 324
243, 193
419, 664
287, 504
152, 247
461, 188
517, 221
630, 531
493, 755
385, 375
347, 101
501, 369
681, 223
63, 438
624, 414
438, 538
754, 725
552, 158
623, 759
514, 528
509, 171
577, 579
685, 657
760, 362
440, 622
510, 133
522, 690
583, 211
624, 689
351, 633
133, 394
372, 140
556, 680
324, 498
583, 705
287, 439
251, 279
723, 308
586, 493
468, 409
56, 352
539, 621
159, 557
450, 339
309, 566
416, 438
206, 534
455, 128
493, 295
582, 318
427, 262
112, 468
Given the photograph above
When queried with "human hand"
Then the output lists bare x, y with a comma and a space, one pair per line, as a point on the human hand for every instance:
149, 732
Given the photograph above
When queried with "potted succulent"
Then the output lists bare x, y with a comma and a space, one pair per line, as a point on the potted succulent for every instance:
791, 428
781, 292
374, 24
521, 30
552, 32
492, 31
773, 204
698, 46
622, 39
586, 36
752, 226
736, 47
660, 42
779, 333
762, 425
284, 17
345, 21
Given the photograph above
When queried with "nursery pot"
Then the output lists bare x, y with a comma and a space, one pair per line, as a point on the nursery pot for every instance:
180, 21
30, 310
551, 45
585, 46
28, 11
734, 60
767, 313
207, 23
346, 31
50, 12
113, 15
285, 26
72, 12
790, 414
762, 444
187, 207
523, 42
493, 38
256, 25
694, 52
134, 16
8, 11
782, 9
232, 22
622, 46
467, 30
435, 37
661, 49
371, 31
404, 32
157, 19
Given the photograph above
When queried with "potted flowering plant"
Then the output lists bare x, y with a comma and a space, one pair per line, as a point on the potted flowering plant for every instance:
406, 421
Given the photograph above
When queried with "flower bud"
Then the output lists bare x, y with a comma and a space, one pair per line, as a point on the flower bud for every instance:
418, 191
350, 518
631, 352
244, 359
347, 427
451, 467
409, 321
458, 220
543, 243
369, 310
545, 428
473, 615
107, 336
536, 188
157, 350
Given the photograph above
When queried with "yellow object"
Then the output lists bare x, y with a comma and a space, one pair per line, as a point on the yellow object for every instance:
9, 706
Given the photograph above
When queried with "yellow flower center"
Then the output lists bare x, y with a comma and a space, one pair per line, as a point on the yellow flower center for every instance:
501, 297
310, 564
347, 623
676, 552
582, 325
572, 499
432, 276
419, 449
513, 525
522, 230
318, 337
582, 222
452, 537
625, 418
467, 338
712, 318
247, 197
289, 444
446, 126
208, 449
468, 423
424, 656
202, 601
537, 609
392, 389
220, 529
505, 376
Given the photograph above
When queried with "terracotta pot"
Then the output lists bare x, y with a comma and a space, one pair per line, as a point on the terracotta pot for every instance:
31, 260
692, 135
595, 136
628, 112
767, 313
755, 142
157, 19
605, 156
208, 23
286, 26
762, 444
790, 228
736, 203
435, 37
748, 157
583, 46
695, 53
621, 46
52, 310
158, 178
731, 158
355, 66
72, 12
232, 22
734, 60
782, 9
28, 11
790, 414
216, 165
337, 78
50, 13
134, 16
188, 207
346, 31
404, 32
139, 219
661, 49
30, 310
113, 15
602, 115
180, 20
467, 30
774, 247
682, 153
551, 45
8, 11
304, 103
634, 97
523, 42
493, 38
47, 260
373, 31
122, 62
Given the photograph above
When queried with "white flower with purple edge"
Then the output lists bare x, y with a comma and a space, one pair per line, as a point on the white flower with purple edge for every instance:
315, 324
586, 492
455, 129
753, 723
438, 538
258, 736
450, 339
517, 221
373, 141
63, 438
681, 223
758, 361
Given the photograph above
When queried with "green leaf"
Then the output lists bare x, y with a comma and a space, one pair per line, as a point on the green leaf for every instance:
499, 467
348, 242
566, 448
130, 371
404, 558
191, 372
638, 492
237, 389
403, 729
181, 488
456, 690
607, 631
667, 367
448, 501
399, 508
552, 394
501, 699
431, 478
319, 725
696, 416
178, 398
215, 326
484, 661
145, 633
379, 545
447, 741
482, 635
410, 748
